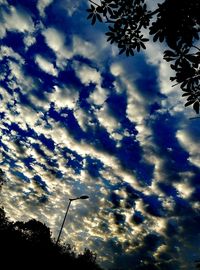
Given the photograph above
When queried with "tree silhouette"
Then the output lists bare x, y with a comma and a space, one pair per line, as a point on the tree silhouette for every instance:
198, 264
177, 22
30, 242
2, 179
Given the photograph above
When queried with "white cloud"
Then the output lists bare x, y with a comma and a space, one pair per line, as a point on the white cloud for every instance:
174, 102
18, 20
55, 39
185, 190
98, 96
42, 5
116, 69
45, 65
84, 48
136, 107
7, 51
63, 97
70, 6
137, 111
2, 31
190, 144
30, 117
87, 74
29, 40
16, 78
89, 47
83, 118
106, 119
16, 71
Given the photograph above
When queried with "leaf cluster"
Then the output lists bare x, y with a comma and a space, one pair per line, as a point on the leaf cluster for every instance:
127, 19
187, 73
177, 22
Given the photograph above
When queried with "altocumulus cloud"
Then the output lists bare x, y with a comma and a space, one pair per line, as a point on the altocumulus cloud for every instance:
78, 119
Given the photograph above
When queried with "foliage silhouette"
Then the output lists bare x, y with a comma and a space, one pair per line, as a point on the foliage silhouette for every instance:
177, 22
30, 242
198, 264
2, 178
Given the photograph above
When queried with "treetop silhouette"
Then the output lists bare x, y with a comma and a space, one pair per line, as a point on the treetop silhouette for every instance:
177, 22
30, 242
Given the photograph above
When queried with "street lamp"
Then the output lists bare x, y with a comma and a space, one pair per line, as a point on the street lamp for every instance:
84, 197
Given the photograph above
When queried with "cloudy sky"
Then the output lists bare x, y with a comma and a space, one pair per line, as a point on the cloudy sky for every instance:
77, 119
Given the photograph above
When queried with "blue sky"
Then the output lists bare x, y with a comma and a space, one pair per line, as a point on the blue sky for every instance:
77, 119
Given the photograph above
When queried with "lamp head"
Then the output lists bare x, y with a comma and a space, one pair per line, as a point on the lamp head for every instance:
84, 197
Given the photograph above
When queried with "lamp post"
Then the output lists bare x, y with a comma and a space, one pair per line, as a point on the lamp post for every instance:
84, 197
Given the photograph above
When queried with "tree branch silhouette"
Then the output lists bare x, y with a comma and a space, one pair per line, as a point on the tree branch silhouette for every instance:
177, 23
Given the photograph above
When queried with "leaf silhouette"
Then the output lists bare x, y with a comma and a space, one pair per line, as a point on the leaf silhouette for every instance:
196, 107
175, 22
190, 102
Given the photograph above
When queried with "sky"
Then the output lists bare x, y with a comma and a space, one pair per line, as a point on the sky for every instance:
78, 119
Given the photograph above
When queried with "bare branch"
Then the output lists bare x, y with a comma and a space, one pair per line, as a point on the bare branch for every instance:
94, 3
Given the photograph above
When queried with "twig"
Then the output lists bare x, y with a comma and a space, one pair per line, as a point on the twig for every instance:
196, 47
93, 3
175, 84
154, 12
196, 76
108, 20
